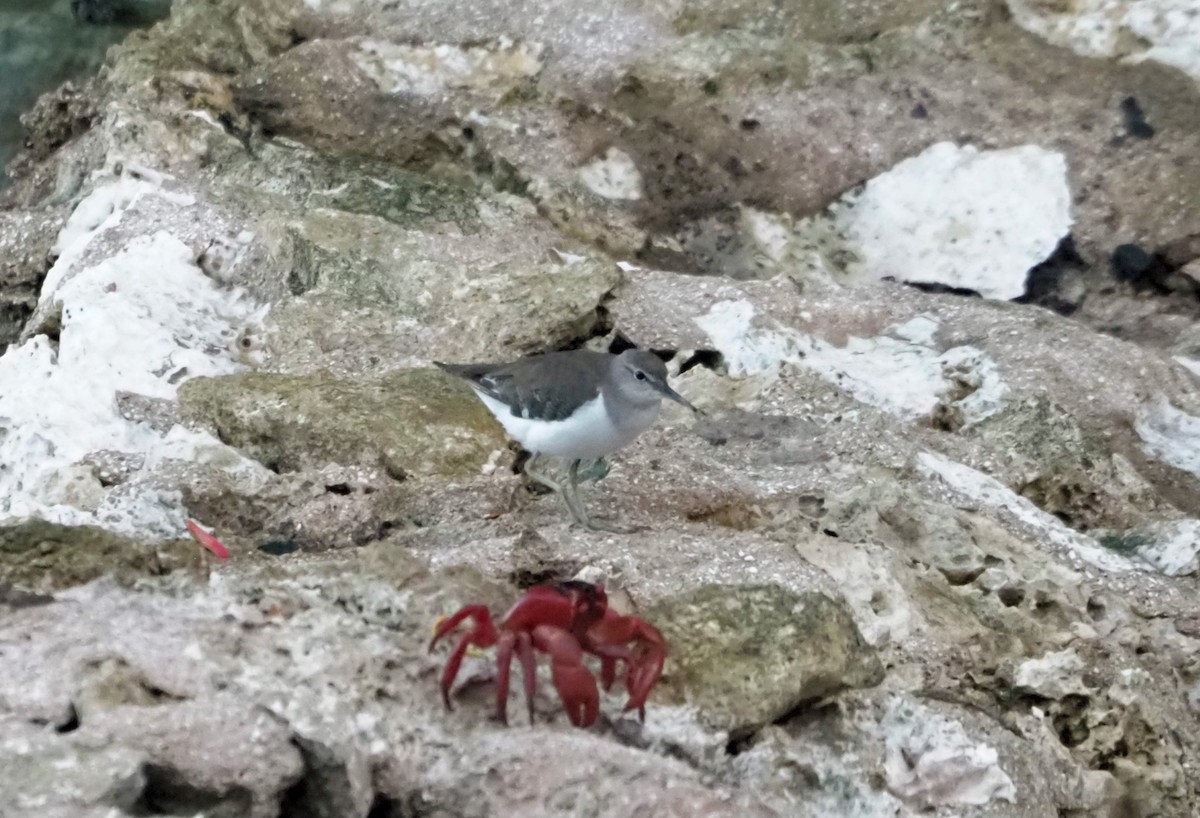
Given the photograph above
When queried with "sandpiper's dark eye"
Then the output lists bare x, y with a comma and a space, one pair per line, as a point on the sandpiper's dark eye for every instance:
640, 375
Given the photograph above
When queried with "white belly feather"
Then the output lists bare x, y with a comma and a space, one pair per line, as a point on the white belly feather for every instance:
586, 434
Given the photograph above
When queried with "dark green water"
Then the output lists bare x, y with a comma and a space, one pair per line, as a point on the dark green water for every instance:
42, 45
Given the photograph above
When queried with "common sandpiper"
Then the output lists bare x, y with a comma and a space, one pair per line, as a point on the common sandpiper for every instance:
577, 405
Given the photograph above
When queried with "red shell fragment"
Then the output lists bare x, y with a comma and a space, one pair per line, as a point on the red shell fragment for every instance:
207, 540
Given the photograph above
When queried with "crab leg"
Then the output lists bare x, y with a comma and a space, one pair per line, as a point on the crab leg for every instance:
528, 669
504, 656
575, 684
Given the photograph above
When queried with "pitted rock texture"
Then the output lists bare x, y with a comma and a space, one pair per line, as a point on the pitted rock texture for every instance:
921, 551
749, 655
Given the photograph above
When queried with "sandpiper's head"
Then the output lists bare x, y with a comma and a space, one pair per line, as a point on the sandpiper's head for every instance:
641, 378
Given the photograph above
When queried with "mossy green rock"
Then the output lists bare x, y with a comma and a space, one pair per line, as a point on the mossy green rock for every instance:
415, 421
49, 556
748, 655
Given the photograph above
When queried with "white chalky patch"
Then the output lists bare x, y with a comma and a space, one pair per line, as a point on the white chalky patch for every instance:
1173, 548
930, 761
431, 70
1171, 435
902, 376
992, 494
1053, 675
1190, 364
613, 176
960, 217
1166, 31
142, 321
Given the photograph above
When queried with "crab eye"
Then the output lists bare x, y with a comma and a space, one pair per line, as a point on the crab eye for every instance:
640, 375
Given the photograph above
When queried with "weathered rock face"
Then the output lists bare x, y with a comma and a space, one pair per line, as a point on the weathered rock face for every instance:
41, 48
292, 423
926, 549
749, 655
44, 556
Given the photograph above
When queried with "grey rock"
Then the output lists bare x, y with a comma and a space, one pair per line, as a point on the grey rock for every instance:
44, 556
296, 422
47, 773
1043, 454
748, 655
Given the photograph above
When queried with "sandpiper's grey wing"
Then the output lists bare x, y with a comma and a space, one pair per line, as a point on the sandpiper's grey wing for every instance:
547, 387
553, 386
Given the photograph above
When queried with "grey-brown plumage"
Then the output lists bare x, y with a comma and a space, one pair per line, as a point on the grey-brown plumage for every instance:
550, 386
577, 405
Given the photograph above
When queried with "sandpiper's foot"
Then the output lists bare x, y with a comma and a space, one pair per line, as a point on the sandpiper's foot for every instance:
533, 473
596, 471
614, 527
570, 494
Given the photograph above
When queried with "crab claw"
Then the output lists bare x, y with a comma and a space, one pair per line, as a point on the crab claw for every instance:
644, 657
575, 684
645, 665
482, 634
577, 689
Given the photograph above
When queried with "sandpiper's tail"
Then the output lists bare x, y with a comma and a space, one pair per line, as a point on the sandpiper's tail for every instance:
470, 372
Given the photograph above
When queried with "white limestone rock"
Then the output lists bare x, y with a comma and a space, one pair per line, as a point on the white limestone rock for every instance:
960, 217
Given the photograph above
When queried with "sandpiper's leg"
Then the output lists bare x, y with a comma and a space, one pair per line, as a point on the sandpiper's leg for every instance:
571, 495
533, 474
562, 491
596, 471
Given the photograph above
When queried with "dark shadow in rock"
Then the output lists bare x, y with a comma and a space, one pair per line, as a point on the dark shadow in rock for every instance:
279, 548
1057, 283
707, 358
1070, 719
1143, 271
325, 789
800, 718
71, 724
620, 342
599, 327
168, 792
15, 597
740, 743
957, 575
1011, 596
535, 561
937, 288
1136, 125
385, 807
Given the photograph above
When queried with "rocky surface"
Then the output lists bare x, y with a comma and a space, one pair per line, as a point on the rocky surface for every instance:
932, 548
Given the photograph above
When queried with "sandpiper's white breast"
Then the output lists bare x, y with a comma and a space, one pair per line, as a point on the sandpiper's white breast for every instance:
589, 432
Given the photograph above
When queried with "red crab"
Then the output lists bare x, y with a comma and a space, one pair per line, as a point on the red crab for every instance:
565, 620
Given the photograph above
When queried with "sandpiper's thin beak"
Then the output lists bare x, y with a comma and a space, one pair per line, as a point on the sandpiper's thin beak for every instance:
675, 396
